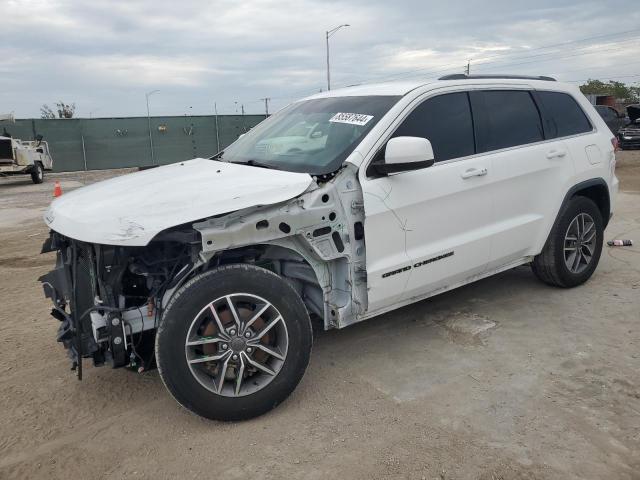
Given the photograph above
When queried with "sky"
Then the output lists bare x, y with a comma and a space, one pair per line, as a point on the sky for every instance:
105, 55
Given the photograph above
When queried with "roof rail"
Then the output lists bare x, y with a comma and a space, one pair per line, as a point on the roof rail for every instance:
462, 76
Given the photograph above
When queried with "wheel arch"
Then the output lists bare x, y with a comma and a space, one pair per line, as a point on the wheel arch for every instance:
308, 276
295, 265
595, 189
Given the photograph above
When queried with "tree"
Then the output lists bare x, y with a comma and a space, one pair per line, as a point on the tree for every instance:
65, 110
46, 112
613, 88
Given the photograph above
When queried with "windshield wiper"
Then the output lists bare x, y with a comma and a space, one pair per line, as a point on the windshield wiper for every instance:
256, 163
250, 162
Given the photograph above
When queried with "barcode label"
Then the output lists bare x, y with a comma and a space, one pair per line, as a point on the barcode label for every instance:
351, 118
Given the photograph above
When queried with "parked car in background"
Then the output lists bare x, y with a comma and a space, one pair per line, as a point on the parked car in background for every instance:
629, 135
25, 157
614, 119
342, 206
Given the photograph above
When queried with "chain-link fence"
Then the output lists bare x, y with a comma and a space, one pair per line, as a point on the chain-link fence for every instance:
101, 143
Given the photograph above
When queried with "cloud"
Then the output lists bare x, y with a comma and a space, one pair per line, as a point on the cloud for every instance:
143, 70
104, 55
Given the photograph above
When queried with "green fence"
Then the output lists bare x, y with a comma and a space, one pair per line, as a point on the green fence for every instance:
101, 143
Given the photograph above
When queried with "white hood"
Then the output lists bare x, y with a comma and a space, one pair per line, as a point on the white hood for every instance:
132, 209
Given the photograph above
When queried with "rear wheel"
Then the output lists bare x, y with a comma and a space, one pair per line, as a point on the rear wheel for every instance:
234, 342
573, 248
37, 173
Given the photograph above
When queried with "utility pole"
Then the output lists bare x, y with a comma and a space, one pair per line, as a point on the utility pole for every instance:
266, 106
328, 34
147, 95
215, 110
468, 69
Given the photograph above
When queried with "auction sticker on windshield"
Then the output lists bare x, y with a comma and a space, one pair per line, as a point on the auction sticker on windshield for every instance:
351, 118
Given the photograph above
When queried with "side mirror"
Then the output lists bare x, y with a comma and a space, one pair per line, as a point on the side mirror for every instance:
39, 138
403, 154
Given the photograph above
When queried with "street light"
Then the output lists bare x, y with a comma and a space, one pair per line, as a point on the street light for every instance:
328, 34
147, 95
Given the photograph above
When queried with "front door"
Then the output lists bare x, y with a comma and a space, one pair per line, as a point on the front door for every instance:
428, 229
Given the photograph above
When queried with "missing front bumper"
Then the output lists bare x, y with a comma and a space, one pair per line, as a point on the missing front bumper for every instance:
66, 286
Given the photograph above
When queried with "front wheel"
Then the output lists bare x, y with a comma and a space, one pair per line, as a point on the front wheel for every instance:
234, 342
37, 173
573, 248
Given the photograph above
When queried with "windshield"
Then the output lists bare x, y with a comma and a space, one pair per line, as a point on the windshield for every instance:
313, 136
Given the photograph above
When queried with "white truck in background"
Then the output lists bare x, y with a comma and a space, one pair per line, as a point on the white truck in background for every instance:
25, 157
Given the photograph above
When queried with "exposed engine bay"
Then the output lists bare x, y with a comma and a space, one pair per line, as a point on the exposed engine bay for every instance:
107, 297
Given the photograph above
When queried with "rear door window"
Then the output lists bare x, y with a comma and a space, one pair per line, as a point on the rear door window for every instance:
505, 118
446, 122
563, 116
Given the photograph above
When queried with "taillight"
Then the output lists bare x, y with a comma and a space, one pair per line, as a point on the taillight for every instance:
616, 147
615, 143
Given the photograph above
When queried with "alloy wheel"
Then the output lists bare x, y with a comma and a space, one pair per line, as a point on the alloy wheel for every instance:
236, 345
580, 243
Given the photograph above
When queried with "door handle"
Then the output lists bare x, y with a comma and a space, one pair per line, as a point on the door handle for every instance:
474, 172
556, 154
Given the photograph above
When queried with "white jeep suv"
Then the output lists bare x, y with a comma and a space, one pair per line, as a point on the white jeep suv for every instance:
392, 193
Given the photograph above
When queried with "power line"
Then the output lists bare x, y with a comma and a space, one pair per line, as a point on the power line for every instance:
482, 61
443, 68
590, 52
494, 59
608, 76
544, 47
506, 55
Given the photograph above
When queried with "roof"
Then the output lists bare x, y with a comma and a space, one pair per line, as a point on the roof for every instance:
388, 88
402, 88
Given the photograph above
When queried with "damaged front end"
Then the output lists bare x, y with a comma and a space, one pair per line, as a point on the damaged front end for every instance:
108, 299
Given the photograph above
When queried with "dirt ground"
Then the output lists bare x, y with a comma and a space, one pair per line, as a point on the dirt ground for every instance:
503, 379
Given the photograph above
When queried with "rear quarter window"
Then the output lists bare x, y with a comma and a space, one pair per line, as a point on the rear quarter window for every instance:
562, 116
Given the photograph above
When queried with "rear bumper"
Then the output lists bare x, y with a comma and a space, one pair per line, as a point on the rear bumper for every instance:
613, 196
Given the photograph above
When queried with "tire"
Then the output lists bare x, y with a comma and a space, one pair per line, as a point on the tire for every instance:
188, 317
555, 268
37, 173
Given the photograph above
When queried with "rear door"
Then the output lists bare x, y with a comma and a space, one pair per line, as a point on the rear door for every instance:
531, 173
